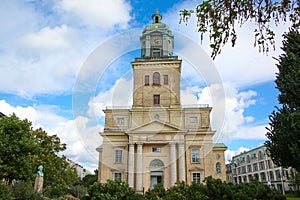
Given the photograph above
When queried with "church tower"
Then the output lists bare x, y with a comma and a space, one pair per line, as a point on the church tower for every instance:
158, 140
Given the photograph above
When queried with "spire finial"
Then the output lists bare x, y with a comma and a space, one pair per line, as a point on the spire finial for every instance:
156, 11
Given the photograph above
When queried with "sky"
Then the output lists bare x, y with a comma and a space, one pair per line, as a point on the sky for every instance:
63, 61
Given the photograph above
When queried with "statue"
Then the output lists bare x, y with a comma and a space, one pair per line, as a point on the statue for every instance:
40, 171
39, 180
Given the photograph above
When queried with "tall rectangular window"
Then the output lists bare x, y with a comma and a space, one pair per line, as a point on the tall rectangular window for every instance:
146, 79
118, 176
120, 120
166, 80
196, 178
195, 155
156, 99
118, 156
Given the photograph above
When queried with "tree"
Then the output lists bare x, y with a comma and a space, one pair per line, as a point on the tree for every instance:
22, 149
17, 148
89, 179
284, 131
57, 170
220, 18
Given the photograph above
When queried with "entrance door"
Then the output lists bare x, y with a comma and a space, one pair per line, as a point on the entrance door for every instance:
155, 178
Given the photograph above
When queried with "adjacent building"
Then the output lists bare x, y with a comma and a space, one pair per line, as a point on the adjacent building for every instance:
256, 164
158, 140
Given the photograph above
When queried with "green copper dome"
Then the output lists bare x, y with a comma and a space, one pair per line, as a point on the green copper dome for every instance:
157, 39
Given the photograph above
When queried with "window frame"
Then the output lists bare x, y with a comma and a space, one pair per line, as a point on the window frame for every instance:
147, 80
156, 99
193, 119
118, 176
218, 168
156, 149
156, 78
195, 157
120, 120
196, 177
118, 156
166, 80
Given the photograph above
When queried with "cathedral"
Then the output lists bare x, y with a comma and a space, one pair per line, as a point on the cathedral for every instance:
158, 140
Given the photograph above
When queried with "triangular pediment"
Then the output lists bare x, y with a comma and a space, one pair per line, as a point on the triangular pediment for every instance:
154, 126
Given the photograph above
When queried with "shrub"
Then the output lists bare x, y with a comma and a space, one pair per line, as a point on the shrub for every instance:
4, 192
112, 190
24, 191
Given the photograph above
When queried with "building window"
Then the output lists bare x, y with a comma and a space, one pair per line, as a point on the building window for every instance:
262, 165
255, 168
156, 149
271, 175
193, 119
278, 175
260, 155
218, 168
263, 176
166, 80
156, 99
118, 156
249, 168
195, 155
146, 79
196, 178
155, 52
118, 176
248, 159
156, 78
120, 120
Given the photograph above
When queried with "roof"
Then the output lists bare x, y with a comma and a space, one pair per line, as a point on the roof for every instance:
219, 145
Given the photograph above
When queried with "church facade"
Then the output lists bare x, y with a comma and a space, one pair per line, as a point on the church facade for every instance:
158, 140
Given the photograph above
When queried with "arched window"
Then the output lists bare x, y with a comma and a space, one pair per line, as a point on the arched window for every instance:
156, 163
218, 168
248, 158
156, 78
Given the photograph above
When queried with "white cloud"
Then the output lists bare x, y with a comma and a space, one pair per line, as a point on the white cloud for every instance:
234, 124
230, 153
99, 13
81, 139
50, 39
118, 95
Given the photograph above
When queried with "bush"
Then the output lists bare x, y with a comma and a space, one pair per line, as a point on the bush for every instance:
24, 191
55, 191
4, 192
113, 190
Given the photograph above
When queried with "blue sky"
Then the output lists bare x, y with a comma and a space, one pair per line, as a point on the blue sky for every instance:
46, 46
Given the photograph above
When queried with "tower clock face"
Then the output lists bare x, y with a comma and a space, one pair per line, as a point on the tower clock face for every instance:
155, 41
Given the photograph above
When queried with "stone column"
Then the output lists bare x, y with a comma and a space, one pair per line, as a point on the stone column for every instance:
181, 162
139, 168
131, 165
173, 172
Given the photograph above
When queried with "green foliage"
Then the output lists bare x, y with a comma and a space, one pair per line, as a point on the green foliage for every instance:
220, 18
18, 147
89, 180
295, 180
56, 169
157, 193
78, 191
5, 192
55, 191
112, 190
284, 131
23, 149
24, 191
